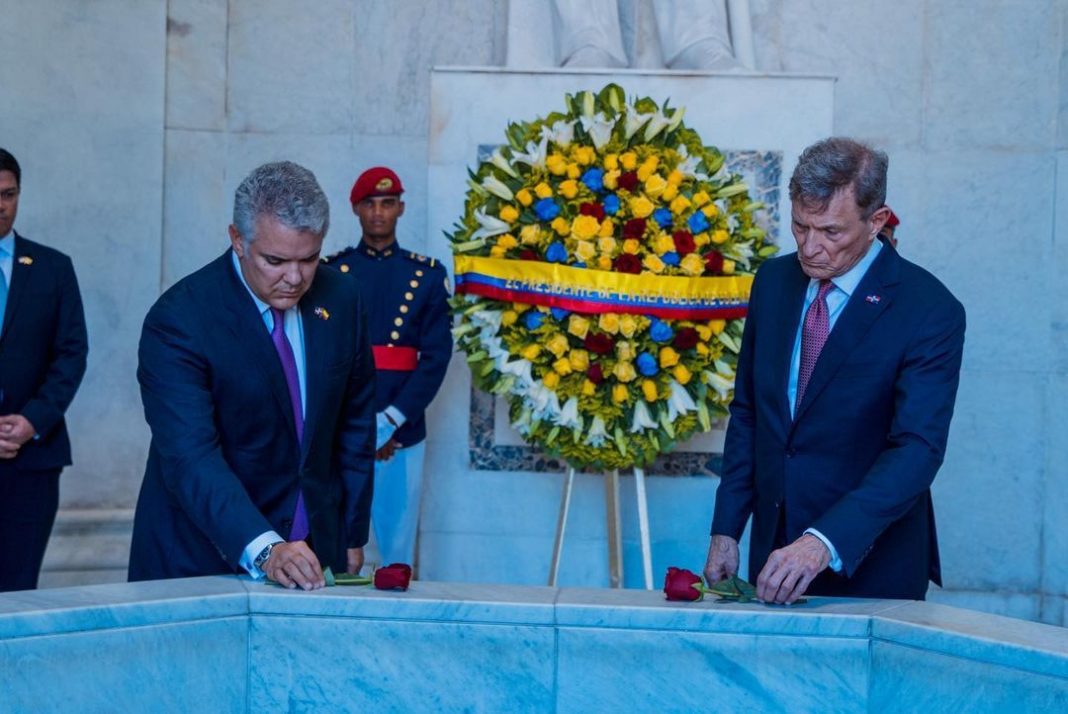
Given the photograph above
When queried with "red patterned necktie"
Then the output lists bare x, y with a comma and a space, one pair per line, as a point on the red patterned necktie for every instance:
813, 337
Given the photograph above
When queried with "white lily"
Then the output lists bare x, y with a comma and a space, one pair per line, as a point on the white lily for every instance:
476, 187
599, 128
500, 162
721, 384
569, 416
635, 120
562, 133
535, 154
680, 401
522, 424
597, 434
487, 318
489, 226
520, 368
676, 118
642, 420
494, 185
688, 166
656, 124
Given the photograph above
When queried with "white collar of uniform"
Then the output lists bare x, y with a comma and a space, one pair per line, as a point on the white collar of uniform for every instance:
848, 281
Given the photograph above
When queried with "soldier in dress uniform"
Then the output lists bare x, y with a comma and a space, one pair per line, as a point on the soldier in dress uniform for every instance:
406, 296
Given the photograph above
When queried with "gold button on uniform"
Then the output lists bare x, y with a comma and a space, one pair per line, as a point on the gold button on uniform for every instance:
344, 268
419, 273
409, 296
395, 335
414, 283
404, 308
398, 321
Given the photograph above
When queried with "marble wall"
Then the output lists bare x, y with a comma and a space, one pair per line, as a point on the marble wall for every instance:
135, 120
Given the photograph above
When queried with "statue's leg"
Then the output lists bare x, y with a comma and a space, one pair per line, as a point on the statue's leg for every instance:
693, 34
588, 34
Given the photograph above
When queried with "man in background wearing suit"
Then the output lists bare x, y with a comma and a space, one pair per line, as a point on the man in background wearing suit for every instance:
845, 388
43, 347
258, 385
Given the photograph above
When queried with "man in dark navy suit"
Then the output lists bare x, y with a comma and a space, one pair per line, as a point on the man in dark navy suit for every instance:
407, 303
258, 385
845, 389
43, 347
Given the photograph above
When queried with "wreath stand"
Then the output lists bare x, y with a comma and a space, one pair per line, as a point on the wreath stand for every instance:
612, 521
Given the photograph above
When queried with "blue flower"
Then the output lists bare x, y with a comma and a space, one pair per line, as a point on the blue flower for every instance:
559, 313
698, 223
663, 217
533, 319
647, 364
594, 180
671, 258
611, 204
556, 252
546, 209
579, 264
659, 331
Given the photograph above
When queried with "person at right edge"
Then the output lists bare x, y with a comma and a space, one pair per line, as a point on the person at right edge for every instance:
845, 389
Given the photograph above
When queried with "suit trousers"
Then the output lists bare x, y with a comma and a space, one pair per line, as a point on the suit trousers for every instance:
28, 504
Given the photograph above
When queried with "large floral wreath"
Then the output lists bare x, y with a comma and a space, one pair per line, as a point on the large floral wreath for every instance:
603, 265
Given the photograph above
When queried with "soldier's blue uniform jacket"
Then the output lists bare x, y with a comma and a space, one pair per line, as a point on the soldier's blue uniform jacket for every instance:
406, 298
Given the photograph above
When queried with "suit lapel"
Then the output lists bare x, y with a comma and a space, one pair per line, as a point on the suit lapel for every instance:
22, 272
853, 324
789, 317
314, 316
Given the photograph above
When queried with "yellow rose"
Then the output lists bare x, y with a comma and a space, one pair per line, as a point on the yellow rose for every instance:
704, 332
628, 325
668, 357
653, 263
675, 177
607, 228
585, 155
670, 192
649, 390
530, 235
646, 170
702, 349
682, 375
557, 344
561, 226
556, 164
551, 380
530, 352
625, 350
520, 307
663, 244
585, 250
584, 227
508, 318
524, 197
655, 185
717, 326
641, 206
611, 162
509, 214
543, 190
624, 372
497, 252
692, 264
569, 189
720, 236
604, 262
611, 180
607, 244
562, 366
578, 326
580, 360
588, 388
609, 322
679, 204
702, 239
628, 160
631, 246
710, 211
573, 171
619, 394
728, 267
507, 241
700, 198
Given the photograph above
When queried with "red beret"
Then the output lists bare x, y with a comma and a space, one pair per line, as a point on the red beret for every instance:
893, 221
377, 181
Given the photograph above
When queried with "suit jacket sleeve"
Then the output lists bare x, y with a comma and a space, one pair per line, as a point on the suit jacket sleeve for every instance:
176, 391
435, 349
70, 346
734, 497
925, 393
356, 437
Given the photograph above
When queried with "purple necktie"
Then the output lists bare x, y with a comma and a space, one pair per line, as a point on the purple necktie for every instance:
289, 367
813, 337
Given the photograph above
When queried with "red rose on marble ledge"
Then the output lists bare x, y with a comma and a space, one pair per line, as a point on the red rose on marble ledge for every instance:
679, 585
396, 576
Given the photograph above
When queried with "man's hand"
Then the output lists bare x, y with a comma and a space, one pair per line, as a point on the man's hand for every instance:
387, 451
355, 558
295, 565
790, 570
722, 559
15, 430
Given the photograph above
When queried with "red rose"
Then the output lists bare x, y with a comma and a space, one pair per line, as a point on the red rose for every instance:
595, 374
634, 228
678, 585
627, 263
684, 242
599, 343
393, 577
592, 209
685, 338
528, 254
628, 180
713, 262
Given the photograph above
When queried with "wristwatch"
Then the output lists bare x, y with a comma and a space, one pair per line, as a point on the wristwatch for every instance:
264, 556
